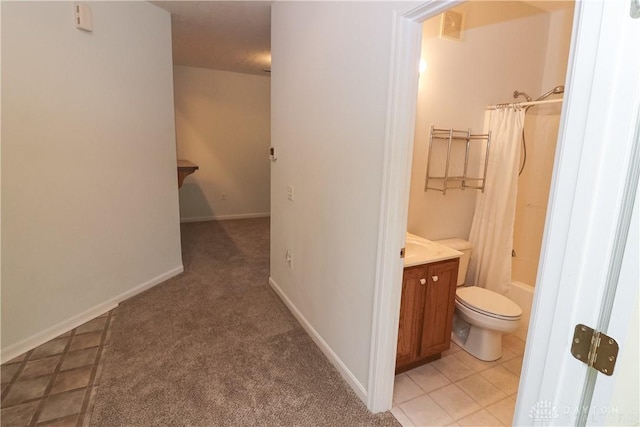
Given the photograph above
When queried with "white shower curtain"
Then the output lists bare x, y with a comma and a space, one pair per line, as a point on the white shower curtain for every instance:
491, 234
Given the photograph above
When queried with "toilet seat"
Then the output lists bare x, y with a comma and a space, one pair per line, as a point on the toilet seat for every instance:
488, 303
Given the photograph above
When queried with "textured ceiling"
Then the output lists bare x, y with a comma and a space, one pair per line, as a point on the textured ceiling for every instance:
221, 35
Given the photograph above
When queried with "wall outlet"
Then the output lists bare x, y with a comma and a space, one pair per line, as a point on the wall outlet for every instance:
290, 192
223, 196
289, 257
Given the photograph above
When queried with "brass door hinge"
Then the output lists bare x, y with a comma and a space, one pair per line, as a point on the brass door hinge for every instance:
595, 349
402, 252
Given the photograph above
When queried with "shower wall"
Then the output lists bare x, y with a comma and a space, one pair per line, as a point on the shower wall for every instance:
541, 133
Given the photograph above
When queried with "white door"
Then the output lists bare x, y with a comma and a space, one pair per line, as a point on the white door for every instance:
583, 232
589, 264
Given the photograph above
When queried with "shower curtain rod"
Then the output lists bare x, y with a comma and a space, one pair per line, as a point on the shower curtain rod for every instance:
523, 104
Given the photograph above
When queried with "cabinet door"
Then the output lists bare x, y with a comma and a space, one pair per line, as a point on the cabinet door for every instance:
438, 307
411, 307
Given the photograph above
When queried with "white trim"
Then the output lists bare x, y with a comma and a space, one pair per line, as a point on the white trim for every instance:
226, 217
321, 343
595, 139
48, 334
394, 203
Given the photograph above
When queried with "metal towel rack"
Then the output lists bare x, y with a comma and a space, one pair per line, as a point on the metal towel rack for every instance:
445, 182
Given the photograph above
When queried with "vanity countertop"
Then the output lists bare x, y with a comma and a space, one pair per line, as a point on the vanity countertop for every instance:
422, 251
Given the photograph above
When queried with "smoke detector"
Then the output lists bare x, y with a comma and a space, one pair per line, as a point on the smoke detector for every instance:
451, 26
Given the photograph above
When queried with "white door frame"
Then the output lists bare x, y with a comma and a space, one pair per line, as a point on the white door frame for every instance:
585, 194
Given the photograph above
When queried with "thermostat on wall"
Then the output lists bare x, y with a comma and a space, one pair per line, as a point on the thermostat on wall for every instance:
84, 20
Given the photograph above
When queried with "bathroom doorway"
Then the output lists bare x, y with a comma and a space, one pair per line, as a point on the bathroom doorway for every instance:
460, 76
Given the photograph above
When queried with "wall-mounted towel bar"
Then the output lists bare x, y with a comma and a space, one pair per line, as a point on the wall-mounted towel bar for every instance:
461, 180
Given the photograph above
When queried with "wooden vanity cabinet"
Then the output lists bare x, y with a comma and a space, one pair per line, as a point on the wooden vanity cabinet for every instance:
426, 312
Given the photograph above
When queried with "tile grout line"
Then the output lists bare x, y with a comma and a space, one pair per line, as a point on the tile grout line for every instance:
481, 406
85, 410
16, 375
54, 375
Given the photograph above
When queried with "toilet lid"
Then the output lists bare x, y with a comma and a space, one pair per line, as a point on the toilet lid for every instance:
488, 302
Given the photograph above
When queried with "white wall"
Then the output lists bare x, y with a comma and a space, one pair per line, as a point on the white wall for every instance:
89, 188
502, 49
329, 104
223, 125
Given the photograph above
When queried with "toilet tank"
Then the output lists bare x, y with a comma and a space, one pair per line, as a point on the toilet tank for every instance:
464, 247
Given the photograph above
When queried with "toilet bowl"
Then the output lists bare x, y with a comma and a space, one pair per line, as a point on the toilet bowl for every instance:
489, 315
481, 316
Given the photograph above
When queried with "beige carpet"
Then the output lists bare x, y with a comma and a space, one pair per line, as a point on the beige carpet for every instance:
216, 347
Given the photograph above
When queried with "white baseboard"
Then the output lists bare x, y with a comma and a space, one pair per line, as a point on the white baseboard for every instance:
48, 334
328, 352
225, 217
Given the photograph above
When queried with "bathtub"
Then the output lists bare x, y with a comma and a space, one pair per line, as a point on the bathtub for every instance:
522, 294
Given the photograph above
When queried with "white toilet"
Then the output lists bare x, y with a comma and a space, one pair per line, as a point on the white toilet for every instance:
485, 314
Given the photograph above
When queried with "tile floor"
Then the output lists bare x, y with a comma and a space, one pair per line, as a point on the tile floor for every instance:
55, 384
460, 390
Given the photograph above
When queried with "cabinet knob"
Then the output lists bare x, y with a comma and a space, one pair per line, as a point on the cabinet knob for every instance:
423, 281
434, 278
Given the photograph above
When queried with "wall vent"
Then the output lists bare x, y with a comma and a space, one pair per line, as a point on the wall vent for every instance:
451, 26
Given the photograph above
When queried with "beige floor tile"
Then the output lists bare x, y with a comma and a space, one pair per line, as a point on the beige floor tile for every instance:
8, 371
514, 344
94, 325
71, 421
80, 342
428, 378
502, 378
423, 411
49, 348
503, 410
66, 334
454, 401
17, 359
452, 368
22, 391
453, 348
37, 368
514, 365
453, 424
481, 418
476, 364
62, 405
63, 400
19, 415
401, 417
405, 389
481, 390
77, 359
72, 379
506, 355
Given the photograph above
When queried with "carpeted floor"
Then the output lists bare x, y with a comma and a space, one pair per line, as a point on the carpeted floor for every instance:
216, 347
